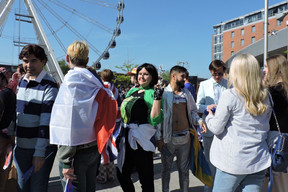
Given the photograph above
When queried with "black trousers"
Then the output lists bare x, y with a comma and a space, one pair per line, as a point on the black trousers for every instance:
143, 162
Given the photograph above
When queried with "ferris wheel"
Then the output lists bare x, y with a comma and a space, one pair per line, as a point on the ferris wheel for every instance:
55, 24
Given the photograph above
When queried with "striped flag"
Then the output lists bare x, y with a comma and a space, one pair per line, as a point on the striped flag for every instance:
68, 186
110, 151
198, 163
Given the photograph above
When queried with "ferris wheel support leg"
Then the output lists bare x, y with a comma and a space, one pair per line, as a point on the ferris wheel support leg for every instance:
5, 9
52, 63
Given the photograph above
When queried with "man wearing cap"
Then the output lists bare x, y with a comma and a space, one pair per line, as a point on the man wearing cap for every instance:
132, 74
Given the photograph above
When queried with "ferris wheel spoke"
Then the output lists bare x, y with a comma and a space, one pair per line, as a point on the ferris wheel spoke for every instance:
81, 15
57, 23
101, 3
68, 26
50, 28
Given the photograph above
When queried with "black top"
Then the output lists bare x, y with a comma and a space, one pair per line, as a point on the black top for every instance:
8, 98
280, 107
139, 112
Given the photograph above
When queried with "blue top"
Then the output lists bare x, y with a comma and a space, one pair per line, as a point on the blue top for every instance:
35, 99
192, 90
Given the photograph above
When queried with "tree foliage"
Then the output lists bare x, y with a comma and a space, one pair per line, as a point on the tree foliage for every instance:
64, 67
123, 80
165, 75
127, 66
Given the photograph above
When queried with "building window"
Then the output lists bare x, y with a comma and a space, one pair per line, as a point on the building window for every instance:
232, 44
232, 34
242, 31
253, 40
232, 53
253, 29
242, 42
278, 23
217, 48
216, 39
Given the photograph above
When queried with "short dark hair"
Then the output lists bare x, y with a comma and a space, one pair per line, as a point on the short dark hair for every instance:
107, 75
152, 70
33, 49
178, 68
217, 64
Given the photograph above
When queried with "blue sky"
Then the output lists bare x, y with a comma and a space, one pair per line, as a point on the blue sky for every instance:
162, 32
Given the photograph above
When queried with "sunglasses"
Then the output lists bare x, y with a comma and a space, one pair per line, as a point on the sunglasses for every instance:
217, 74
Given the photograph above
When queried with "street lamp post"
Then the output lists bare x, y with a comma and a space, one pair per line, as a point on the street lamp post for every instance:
265, 32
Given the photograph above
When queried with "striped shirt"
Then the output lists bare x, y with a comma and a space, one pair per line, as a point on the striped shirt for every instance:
35, 99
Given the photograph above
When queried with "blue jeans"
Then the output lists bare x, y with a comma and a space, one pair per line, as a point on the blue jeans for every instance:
225, 182
182, 153
86, 163
39, 180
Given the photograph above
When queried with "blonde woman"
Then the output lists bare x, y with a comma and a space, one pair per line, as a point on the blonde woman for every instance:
276, 79
241, 123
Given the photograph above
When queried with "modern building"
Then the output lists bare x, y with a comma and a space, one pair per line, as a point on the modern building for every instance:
245, 34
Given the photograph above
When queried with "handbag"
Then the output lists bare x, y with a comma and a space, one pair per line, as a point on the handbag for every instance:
279, 153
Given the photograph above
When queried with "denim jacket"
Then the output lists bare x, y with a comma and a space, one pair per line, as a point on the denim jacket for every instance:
164, 131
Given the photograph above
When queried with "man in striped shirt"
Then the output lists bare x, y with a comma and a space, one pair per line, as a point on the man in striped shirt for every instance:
36, 94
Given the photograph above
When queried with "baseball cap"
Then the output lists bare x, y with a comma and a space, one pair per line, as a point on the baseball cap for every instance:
133, 72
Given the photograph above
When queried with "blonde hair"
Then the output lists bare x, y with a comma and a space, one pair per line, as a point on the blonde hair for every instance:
245, 76
277, 72
78, 52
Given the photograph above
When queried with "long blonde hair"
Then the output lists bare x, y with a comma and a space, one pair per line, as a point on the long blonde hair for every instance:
245, 76
277, 72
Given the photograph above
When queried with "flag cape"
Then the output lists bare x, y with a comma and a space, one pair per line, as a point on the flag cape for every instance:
105, 119
84, 110
110, 152
198, 163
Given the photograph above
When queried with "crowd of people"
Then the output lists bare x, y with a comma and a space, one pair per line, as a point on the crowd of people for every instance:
86, 123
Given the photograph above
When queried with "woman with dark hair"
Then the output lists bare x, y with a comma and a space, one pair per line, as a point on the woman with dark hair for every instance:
140, 112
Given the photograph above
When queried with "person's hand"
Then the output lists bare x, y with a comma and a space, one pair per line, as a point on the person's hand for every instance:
69, 173
16, 76
204, 128
38, 162
159, 144
210, 107
158, 92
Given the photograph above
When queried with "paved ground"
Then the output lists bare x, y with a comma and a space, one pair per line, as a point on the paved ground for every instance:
195, 184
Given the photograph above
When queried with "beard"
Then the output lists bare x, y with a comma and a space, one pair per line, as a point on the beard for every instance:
180, 84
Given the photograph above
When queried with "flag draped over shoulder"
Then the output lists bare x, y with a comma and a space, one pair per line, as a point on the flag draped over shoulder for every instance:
105, 119
84, 110
110, 152
198, 163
